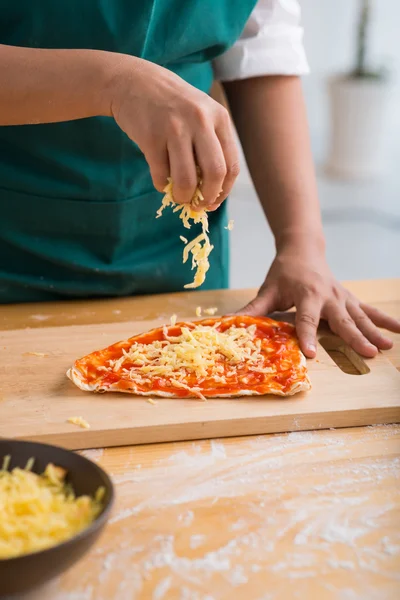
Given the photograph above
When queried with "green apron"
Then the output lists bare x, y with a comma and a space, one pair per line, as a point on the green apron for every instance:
77, 204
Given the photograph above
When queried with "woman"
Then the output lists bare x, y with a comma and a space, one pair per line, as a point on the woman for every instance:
91, 129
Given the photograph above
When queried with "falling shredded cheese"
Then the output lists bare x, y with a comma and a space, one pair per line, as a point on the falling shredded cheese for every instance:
211, 311
40, 511
173, 320
151, 401
80, 421
198, 311
201, 351
230, 225
200, 248
39, 354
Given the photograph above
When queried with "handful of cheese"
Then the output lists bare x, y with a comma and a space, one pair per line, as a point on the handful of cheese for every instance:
40, 511
200, 248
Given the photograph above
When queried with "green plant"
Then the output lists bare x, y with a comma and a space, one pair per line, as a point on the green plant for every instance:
361, 69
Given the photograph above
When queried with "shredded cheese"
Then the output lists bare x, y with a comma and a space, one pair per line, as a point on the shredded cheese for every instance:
210, 311
6, 462
173, 320
40, 511
39, 354
184, 386
29, 464
198, 311
80, 421
202, 351
200, 248
230, 225
151, 401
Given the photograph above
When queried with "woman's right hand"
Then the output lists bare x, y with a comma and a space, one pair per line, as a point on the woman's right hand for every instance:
176, 126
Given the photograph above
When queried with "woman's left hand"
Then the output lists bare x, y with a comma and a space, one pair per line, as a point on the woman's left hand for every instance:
304, 280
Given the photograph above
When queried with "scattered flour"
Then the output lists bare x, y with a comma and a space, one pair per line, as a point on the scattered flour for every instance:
238, 525
212, 562
317, 519
93, 454
106, 567
341, 564
301, 437
197, 540
390, 548
237, 576
162, 588
190, 594
342, 532
85, 594
302, 574
186, 518
125, 514
218, 449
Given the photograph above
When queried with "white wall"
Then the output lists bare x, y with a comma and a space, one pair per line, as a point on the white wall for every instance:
330, 37
361, 219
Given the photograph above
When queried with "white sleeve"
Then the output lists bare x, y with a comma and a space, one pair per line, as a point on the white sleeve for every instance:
271, 44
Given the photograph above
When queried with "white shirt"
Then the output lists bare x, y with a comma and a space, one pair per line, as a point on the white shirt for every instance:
271, 44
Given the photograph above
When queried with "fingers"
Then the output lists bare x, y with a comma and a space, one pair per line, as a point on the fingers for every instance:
367, 327
343, 325
183, 169
211, 146
263, 304
380, 319
157, 159
229, 147
211, 161
308, 314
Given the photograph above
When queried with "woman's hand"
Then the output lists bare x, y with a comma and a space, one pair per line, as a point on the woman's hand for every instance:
176, 126
303, 279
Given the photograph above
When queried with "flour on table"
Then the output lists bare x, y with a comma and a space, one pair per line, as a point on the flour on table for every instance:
162, 588
93, 454
197, 540
341, 564
186, 518
325, 522
218, 449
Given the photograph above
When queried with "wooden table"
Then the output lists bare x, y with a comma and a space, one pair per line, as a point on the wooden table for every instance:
308, 515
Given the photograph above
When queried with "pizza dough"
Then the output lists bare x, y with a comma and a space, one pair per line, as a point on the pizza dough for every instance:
213, 358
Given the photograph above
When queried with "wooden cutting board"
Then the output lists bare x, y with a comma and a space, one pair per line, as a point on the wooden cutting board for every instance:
36, 398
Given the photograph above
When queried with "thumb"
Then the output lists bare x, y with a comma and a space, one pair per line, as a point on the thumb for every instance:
263, 304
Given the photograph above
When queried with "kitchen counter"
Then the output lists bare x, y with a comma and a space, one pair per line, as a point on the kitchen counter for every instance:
301, 515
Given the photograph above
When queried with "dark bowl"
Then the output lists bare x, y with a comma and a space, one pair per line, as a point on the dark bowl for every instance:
24, 573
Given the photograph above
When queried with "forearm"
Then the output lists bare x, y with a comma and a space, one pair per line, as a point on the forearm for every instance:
270, 117
46, 86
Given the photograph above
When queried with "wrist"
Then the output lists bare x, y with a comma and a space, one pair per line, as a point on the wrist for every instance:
113, 70
301, 242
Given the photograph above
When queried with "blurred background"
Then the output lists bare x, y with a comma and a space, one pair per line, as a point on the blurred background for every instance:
353, 98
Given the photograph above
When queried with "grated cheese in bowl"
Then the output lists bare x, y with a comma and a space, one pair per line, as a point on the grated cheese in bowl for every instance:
40, 511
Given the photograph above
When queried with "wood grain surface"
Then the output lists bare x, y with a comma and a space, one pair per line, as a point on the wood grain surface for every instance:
302, 515
38, 398
276, 517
